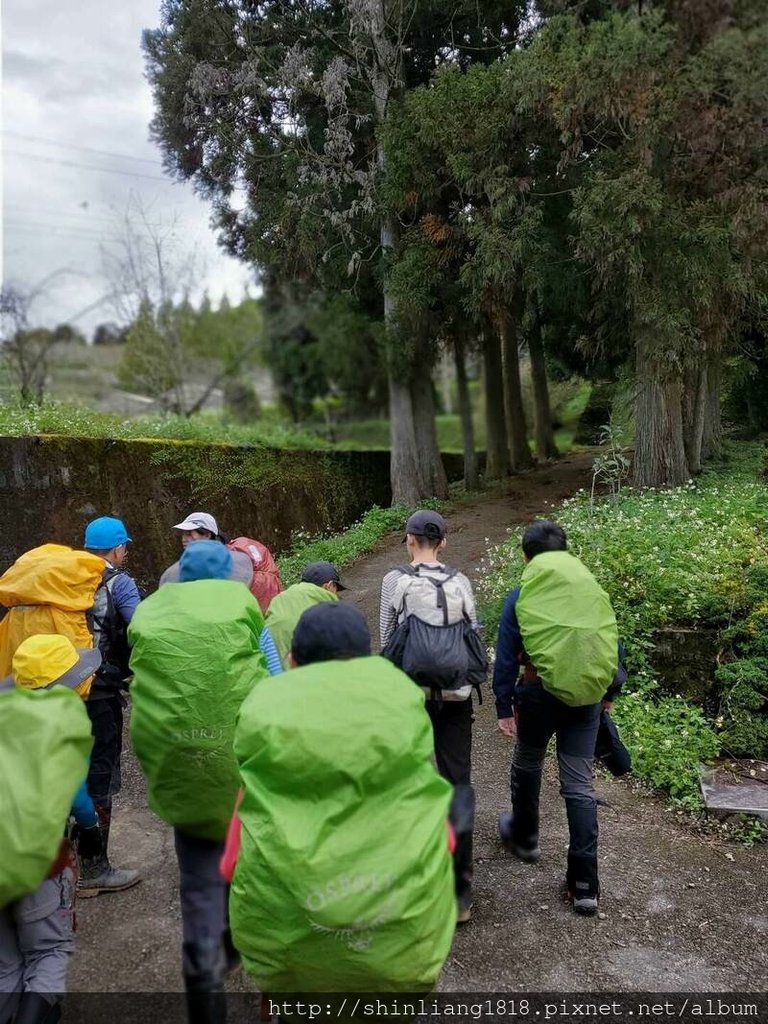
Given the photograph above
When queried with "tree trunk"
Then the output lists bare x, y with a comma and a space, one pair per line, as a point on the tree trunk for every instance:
712, 442
404, 461
465, 413
434, 482
517, 432
659, 450
497, 453
542, 413
415, 467
694, 408
446, 382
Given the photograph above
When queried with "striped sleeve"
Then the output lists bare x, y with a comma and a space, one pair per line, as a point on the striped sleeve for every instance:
387, 611
270, 652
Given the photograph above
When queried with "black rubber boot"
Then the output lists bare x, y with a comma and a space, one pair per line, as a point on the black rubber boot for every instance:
230, 952
205, 966
34, 1008
96, 873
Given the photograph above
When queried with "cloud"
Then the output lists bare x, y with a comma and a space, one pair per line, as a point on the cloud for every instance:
77, 153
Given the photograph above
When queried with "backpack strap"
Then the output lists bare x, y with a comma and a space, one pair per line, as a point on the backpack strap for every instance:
109, 575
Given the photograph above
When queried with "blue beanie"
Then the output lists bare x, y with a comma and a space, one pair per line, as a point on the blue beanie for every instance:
205, 560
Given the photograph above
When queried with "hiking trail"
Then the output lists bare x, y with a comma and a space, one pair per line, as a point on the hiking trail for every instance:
678, 912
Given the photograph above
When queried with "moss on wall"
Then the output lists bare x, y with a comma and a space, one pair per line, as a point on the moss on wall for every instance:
50, 486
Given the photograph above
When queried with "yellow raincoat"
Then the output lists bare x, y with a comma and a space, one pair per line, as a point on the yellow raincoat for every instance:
48, 590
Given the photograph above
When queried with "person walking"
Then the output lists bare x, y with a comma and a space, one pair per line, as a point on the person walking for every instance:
202, 526
320, 582
45, 740
114, 604
343, 880
559, 630
196, 656
421, 604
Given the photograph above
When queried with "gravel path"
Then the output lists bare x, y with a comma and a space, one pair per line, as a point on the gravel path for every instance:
678, 913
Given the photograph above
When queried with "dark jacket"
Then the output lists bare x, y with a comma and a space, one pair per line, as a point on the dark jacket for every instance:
511, 656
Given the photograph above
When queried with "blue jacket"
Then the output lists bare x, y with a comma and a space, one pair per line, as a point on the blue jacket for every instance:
511, 656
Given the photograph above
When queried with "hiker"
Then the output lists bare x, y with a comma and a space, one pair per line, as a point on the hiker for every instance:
195, 658
203, 526
45, 740
114, 604
49, 590
428, 626
320, 582
559, 628
344, 879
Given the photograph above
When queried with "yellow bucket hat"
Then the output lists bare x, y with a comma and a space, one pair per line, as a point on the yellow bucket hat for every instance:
50, 660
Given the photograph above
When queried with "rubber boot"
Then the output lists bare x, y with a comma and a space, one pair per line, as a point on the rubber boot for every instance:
231, 953
96, 873
205, 966
34, 1008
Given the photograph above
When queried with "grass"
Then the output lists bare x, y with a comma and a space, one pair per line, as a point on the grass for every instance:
343, 548
74, 421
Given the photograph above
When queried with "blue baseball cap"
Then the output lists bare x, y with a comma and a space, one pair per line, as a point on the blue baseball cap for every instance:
105, 533
205, 560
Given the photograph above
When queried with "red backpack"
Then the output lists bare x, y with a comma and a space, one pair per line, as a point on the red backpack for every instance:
266, 580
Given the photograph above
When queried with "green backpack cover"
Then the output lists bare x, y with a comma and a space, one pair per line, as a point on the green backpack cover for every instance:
195, 658
568, 628
286, 609
344, 880
45, 743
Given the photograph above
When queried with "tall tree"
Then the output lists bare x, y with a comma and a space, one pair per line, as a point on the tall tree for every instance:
283, 101
665, 124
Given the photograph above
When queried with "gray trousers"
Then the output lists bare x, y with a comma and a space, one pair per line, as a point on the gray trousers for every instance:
540, 715
37, 942
204, 912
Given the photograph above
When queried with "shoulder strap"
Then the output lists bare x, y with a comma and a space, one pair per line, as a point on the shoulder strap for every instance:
406, 570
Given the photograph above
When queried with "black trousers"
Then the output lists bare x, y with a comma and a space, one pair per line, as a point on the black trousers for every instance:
452, 729
539, 717
106, 715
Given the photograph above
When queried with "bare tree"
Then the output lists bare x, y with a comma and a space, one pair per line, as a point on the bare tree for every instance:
152, 278
26, 350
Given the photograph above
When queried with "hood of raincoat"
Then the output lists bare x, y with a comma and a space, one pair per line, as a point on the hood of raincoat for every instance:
195, 658
48, 590
45, 742
344, 880
286, 609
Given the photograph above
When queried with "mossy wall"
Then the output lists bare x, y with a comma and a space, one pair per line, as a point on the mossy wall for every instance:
50, 487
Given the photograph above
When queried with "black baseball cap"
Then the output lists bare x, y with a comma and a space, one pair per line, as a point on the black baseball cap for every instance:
320, 573
330, 631
426, 523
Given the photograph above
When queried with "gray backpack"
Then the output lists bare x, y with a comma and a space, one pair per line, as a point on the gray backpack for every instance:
435, 643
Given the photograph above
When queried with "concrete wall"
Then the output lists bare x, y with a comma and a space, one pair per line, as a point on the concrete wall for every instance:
51, 486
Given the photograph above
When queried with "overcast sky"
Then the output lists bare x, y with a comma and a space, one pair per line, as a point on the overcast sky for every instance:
73, 84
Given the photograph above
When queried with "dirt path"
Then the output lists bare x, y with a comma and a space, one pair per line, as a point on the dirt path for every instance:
679, 913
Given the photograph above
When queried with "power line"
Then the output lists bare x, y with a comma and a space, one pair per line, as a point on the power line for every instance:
80, 233
84, 218
83, 233
88, 167
83, 149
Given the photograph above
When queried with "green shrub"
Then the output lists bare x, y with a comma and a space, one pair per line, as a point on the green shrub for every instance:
668, 738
